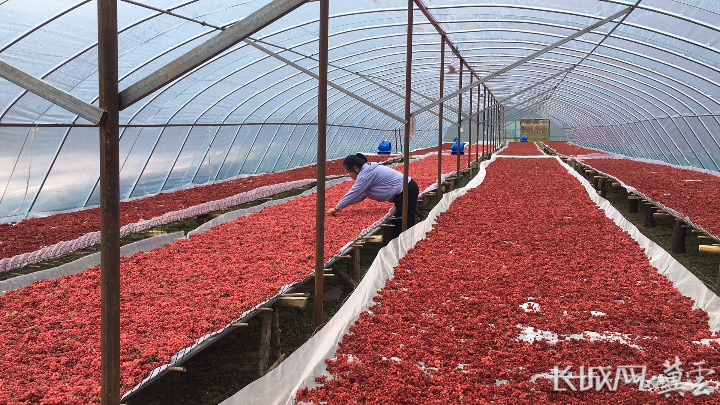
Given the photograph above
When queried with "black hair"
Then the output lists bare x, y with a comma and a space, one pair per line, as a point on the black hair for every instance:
357, 159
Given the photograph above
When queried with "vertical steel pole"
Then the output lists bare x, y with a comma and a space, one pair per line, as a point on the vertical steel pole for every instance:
494, 123
408, 77
469, 151
109, 203
460, 73
321, 158
477, 128
440, 123
485, 114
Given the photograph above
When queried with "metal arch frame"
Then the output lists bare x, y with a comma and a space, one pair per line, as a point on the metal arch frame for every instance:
621, 147
588, 125
580, 118
530, 8
556, 25
689, 125
624, 137
643, 56
529, 57
679, 17
638, 108
87, 49
652, 80
334, 95
208, 50
564, 118
648, 84
613, 106
646, 57
360, 75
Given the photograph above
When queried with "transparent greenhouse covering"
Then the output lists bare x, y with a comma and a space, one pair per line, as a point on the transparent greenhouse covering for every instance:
643, 83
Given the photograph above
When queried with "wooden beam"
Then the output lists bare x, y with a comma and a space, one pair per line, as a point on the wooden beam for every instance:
354, 264
51, 93
207, 50
709, 249
294, 302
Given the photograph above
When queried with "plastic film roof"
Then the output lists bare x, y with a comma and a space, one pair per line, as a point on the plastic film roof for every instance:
644, 84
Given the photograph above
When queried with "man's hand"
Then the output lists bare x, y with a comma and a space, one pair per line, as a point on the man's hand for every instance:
333, 210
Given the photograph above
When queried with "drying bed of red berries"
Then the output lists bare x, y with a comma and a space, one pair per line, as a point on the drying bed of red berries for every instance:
35, 233
170, 297
511, 256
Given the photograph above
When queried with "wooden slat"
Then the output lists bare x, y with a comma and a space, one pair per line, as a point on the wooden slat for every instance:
709, 249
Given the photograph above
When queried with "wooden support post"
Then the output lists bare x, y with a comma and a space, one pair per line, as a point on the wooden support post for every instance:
633, 203
354, 264
344, 277
678, 237
387, 233
595, 182
603, 190
649, 217
265, 337
275, 348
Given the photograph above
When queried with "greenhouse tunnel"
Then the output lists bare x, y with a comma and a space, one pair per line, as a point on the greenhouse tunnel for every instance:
632, 79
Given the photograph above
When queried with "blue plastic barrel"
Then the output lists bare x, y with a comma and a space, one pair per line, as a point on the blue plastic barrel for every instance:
523, 138
453, 149
384, 148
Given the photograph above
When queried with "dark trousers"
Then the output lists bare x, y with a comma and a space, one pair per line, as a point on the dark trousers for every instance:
413, 192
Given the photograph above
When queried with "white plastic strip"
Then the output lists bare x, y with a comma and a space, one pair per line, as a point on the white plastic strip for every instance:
299, 370
686, 282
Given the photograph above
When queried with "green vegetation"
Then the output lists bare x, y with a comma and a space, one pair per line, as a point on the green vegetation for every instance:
536, 130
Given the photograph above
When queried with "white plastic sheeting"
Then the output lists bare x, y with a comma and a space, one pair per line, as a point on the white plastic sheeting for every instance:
645, 86
301, 367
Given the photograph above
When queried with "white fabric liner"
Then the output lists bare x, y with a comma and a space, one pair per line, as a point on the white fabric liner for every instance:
93, 238
87, 262
299, 370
